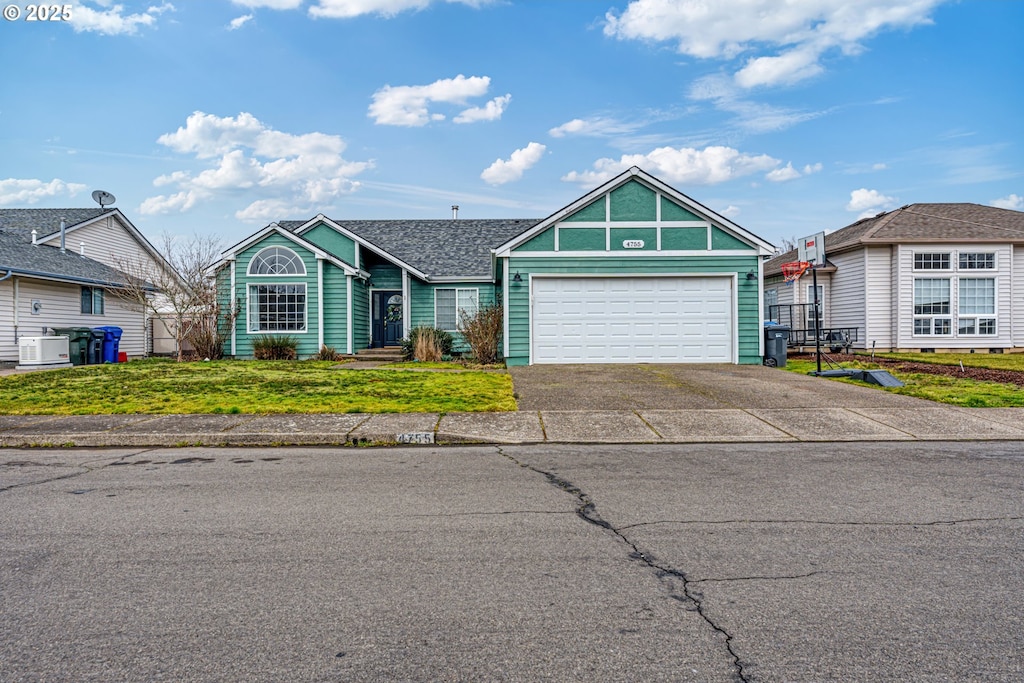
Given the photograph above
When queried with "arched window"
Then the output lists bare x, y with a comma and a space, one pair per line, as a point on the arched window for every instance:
277, 261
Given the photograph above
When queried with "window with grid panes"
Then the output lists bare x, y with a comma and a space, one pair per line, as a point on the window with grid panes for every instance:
977, 260
277, 308
932, 306
931, 261
449, 301
976, 306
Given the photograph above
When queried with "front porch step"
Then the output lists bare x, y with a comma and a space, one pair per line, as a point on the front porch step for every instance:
388, 354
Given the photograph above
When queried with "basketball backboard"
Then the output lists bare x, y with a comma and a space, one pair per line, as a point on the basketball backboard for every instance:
812, 249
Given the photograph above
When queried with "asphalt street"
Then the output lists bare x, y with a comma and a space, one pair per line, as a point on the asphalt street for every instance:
877, 561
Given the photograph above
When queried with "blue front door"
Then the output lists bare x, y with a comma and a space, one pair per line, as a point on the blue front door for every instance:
387, 318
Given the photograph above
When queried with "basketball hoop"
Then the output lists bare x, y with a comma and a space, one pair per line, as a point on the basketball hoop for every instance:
791, 272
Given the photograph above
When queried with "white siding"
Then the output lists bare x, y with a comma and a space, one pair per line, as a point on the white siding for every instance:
1003, 274
847, 305
60, 306
1017, 296
107, 241
880, 314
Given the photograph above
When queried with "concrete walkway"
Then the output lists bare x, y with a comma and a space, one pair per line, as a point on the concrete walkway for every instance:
927, 422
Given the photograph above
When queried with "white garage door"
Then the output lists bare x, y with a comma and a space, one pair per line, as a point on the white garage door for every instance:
632, 320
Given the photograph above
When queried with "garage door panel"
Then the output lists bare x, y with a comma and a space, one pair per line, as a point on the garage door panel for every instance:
632, 319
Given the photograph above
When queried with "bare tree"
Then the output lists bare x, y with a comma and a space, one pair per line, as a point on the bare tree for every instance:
180, 291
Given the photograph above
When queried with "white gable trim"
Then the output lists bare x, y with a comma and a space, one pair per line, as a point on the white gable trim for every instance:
360, 241
764, 248
274, 228
135, 233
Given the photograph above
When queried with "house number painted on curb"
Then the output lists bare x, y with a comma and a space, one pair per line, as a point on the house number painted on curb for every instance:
632, 244
415, 437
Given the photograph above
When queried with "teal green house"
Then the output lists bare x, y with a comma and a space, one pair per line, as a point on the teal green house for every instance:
632, 272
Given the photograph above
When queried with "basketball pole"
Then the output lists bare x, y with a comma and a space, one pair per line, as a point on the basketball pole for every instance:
817, 332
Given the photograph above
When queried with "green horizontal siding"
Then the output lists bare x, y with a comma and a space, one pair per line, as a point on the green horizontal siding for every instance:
333, 242
335, 311
308, 340
747, 303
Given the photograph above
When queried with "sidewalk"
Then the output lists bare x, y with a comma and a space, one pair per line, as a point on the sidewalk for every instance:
888, 423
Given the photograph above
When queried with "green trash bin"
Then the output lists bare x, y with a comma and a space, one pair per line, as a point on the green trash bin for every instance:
78, 343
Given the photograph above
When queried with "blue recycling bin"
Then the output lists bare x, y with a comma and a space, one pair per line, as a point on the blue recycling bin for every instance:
111, 340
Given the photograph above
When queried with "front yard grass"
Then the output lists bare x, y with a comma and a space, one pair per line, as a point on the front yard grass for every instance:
949, 389
164, 387
996, 361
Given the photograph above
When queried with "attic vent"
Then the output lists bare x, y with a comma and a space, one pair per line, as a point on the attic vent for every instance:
455, 212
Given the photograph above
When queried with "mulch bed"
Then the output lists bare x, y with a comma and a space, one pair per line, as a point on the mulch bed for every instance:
982, 374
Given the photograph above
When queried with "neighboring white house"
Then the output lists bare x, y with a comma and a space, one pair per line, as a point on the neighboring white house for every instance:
51, 277
942, 277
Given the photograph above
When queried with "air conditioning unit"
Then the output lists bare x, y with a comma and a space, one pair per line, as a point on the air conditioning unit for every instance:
42, 351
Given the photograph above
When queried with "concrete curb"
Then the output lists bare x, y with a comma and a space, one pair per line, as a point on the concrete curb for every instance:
930, 423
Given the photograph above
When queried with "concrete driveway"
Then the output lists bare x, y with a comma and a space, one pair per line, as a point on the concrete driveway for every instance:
688, 387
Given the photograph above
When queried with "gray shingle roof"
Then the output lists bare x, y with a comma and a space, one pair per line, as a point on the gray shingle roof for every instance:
17, 252
438, 248
921, 223
45, 221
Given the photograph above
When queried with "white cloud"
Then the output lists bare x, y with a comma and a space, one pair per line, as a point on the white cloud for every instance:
879, 167
1014, 202
594, 127
505, 171
346, 9
730, 211
164, 204
29, 190
294, 170
709, 166
868, 202
114, 21
239, 22
491, 111
407, 105
798, 32
813, 168
266, 211
270, 4
783, 174
750, 116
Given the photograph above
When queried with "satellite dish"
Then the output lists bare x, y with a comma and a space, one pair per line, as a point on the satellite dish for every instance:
103, 198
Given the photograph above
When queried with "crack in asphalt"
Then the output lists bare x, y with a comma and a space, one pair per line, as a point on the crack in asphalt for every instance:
814, 522
587, 511
84, 468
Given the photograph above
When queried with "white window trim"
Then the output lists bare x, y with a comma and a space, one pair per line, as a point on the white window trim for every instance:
963, 252
932, 317
457, 290
978, 317
249, 302
953, 259
248, 268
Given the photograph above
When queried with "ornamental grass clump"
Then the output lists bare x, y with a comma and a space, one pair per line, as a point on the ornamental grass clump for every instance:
482, 332
273, 347
427, 344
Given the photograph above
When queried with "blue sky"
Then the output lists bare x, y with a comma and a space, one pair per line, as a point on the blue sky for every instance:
220, 116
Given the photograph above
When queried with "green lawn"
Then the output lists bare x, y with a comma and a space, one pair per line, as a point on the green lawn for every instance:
228, 386
996, 361
959, 391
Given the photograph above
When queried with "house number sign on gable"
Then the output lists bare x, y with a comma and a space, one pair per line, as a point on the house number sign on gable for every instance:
632, 244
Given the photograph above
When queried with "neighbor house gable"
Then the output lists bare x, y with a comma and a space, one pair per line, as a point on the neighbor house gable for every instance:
635, 212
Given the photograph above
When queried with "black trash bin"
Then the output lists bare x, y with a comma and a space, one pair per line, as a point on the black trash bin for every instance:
776, 341
78, 343
111, 341
94, 353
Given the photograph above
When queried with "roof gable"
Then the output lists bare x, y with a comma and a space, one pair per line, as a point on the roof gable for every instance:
276, 229
636, 197
926, 223
430, 249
